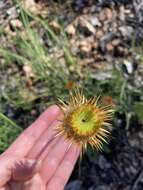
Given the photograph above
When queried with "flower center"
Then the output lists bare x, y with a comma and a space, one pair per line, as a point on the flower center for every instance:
84, 120
87, 116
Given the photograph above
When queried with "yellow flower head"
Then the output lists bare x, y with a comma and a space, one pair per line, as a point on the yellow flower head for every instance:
85, 121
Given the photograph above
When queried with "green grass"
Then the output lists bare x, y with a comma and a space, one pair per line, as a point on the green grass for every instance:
51, 72
8, 132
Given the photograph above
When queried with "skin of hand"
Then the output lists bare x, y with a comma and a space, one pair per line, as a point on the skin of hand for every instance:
38, 160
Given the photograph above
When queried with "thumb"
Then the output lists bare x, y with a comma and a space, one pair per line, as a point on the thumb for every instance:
17, 169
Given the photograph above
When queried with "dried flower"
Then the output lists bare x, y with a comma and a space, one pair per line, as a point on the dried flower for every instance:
85, 121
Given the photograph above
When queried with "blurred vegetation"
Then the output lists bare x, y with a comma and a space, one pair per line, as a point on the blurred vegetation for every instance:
8, 132
35, 77
47, 73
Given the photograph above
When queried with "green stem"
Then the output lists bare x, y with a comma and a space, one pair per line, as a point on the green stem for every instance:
3, 117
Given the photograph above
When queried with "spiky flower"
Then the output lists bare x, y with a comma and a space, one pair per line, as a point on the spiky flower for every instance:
85, 121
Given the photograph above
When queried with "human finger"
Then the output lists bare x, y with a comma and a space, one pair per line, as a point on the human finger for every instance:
12, 168
5, 187
64, 171
44, 142
35, 183
25, 169
6, 164
27, 139
53, 159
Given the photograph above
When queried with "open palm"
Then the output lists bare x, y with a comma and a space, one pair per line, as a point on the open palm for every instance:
37, 160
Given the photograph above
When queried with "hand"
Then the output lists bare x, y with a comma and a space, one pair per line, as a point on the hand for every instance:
37, 160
